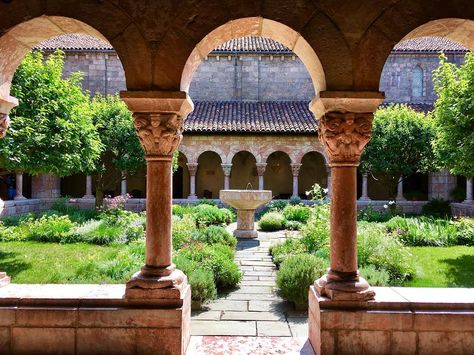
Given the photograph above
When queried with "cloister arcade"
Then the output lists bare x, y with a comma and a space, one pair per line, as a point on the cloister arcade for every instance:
344, 46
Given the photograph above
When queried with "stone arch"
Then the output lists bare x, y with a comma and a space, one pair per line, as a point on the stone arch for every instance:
415, 19
209, 176
313, 170
22, 37
244, 170
278, 176
256, 26
301, 153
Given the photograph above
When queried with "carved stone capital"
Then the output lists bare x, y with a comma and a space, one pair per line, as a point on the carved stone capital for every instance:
344, 136
295, 169
227, 168
160, 134
192, 168
261, 168
4, 124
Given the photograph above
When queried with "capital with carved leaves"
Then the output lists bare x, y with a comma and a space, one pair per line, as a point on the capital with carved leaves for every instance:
295, 169
261, 168
227, 168
6, 106
4, 124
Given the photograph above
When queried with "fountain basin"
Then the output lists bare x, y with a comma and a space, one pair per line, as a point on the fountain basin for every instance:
245, 201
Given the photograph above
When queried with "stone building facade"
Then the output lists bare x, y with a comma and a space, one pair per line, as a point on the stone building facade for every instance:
247, 71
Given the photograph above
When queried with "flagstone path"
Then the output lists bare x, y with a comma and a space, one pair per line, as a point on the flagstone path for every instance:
253, 309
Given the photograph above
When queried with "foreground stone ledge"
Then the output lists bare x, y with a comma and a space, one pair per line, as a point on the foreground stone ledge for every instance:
89, 319
401, 320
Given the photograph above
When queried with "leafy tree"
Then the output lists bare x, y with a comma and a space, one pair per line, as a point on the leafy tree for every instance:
120, 143
49, 132
401, 143
454, 116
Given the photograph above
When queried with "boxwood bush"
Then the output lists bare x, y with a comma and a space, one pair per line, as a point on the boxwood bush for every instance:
207, 215
296, 213
217, 234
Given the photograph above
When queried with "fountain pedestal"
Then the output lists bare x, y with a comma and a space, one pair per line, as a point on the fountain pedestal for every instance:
245, 201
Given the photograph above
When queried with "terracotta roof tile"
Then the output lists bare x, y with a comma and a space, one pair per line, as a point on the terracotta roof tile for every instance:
429, 44
74, 42
251, 117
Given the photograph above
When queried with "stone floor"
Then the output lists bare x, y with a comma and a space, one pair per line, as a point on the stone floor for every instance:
254, 309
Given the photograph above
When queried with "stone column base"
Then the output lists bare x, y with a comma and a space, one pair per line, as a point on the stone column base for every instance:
245, 234
350, 290
4, 279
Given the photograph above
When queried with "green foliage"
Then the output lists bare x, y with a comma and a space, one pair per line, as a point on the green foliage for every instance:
297, 213
316, 232
183, 231
53, 229
437, 208
282, 251
384, 252
401, 142
426, 231
296, 274
374, 276
206, 215
295, 200
369, 214
51, 129
181, 210
454, 115
217, 234
271, 221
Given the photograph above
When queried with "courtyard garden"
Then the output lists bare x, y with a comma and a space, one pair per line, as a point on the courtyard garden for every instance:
70, 245
430, 250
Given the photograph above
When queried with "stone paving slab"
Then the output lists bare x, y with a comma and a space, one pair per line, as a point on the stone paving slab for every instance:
253, 308
273, 329
202, 327
252, 316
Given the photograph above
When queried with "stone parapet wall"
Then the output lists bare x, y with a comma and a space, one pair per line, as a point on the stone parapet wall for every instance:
462, 209
401, 320
15, 207
411, 207
441, 184
89, 319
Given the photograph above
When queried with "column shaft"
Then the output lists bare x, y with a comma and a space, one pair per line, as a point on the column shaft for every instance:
226, 182
123, 185
365, 195
158, 217
260, 182
469, 190
400, 196
88, 187
344, 219
19, 186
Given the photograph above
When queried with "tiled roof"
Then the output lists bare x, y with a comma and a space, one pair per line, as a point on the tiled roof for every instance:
429, 44
249, 44
74, 42
251, 117
252, 44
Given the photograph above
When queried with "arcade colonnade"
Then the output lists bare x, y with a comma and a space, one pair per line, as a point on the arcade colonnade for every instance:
344, 48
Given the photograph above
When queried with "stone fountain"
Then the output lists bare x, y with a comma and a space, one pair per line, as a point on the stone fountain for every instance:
245, 201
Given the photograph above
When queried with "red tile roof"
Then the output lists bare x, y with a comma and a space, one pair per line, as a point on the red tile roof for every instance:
251, 117
249, 44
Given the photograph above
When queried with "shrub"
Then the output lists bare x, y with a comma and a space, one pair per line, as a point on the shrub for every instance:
9, 221
271, 221
375, 277
316, 231
205, 201
206, 215
293, 225
277, 205
295, 200
49, 228
11, 234
183, 231
296, 274
202, 284
437, 208
83, 215
292, 246
217, 234
465, 234
181, 210
369, 214
296, 213
384, 252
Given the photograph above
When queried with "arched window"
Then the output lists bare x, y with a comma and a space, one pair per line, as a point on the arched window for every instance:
417, 82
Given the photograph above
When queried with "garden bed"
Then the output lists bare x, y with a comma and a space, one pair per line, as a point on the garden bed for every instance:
68, 245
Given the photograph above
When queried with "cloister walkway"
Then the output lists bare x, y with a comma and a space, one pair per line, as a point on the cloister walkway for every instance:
252, 317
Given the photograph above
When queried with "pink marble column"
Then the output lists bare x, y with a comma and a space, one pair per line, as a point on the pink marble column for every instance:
345, 127
227, 168
400, 196
158, 118
295, 170
192, 168
123, 184
19, 185
261, 172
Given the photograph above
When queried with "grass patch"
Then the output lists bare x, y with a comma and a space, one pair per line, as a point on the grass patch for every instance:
443, 267
34, 262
